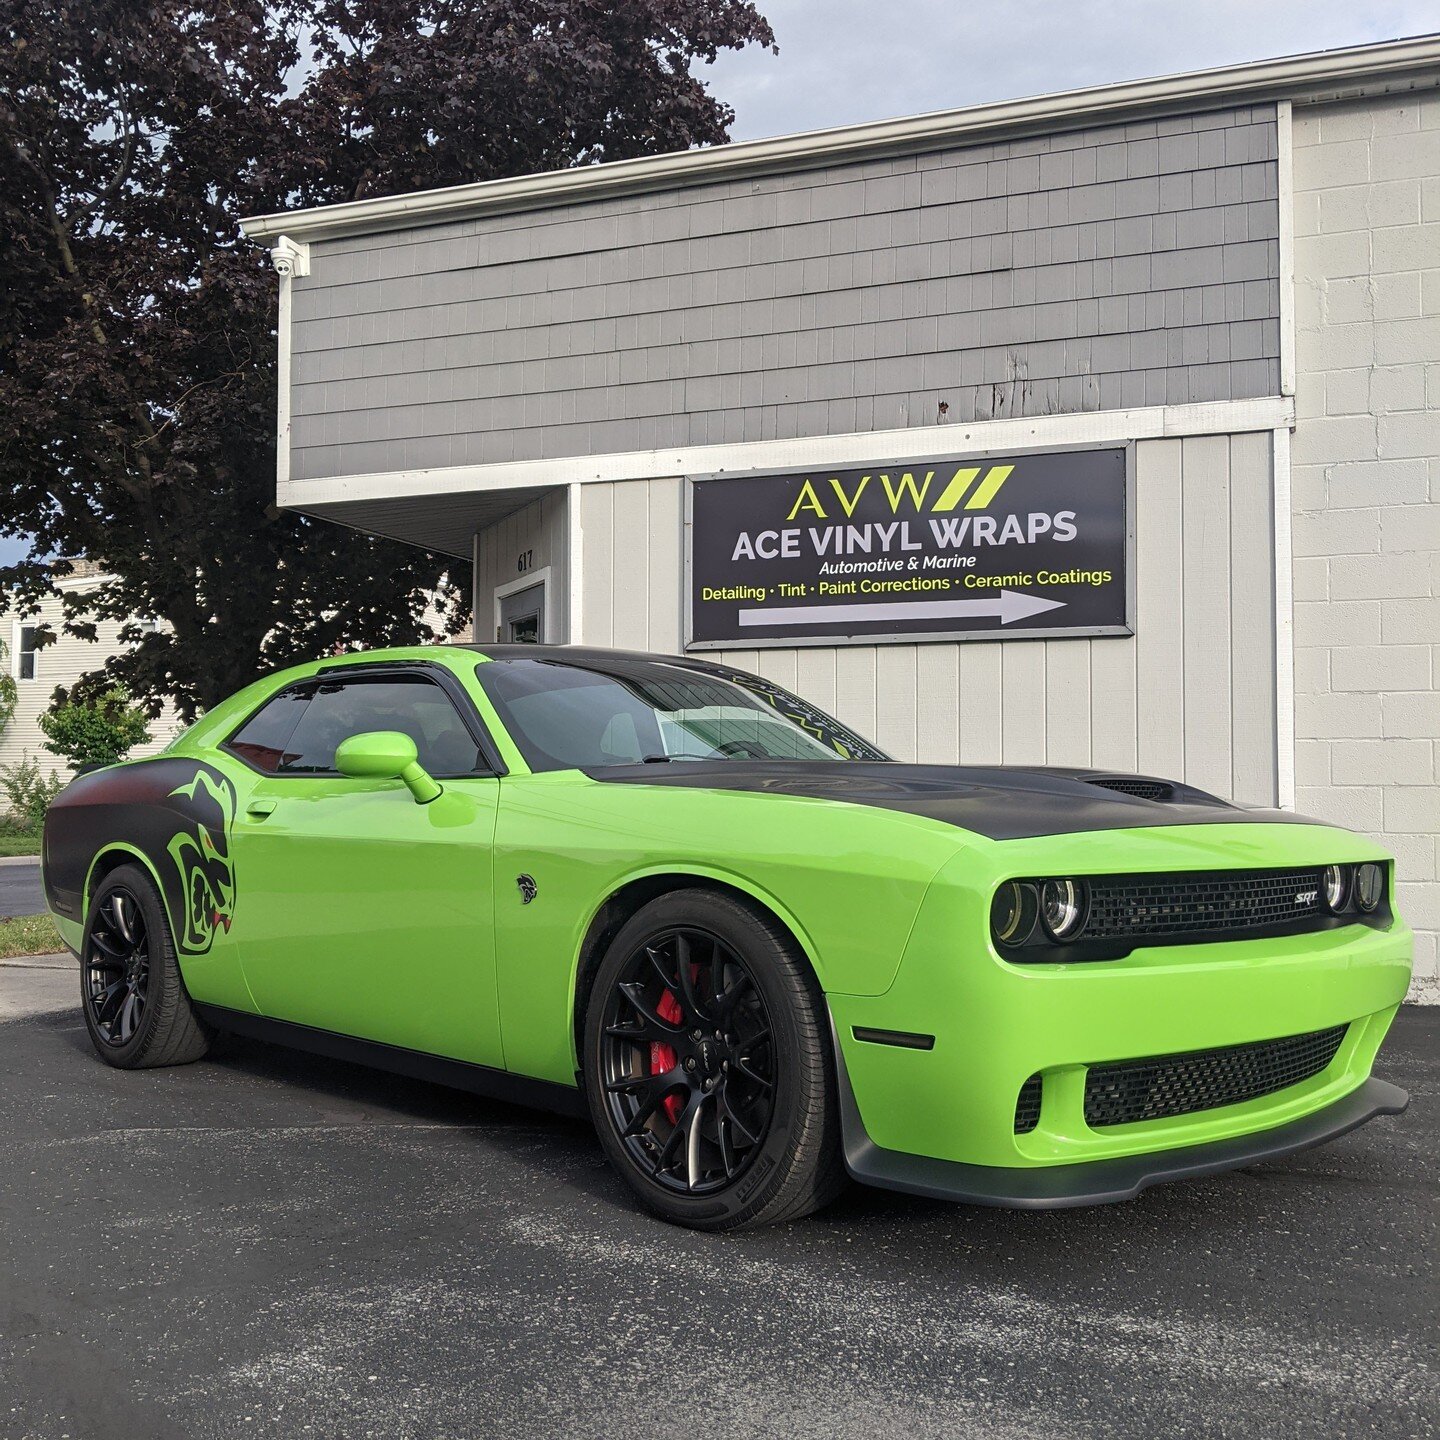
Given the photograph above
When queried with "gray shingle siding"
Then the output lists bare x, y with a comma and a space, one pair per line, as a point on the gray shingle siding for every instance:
1111, 267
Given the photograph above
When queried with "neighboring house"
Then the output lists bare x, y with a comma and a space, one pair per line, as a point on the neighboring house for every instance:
38, 670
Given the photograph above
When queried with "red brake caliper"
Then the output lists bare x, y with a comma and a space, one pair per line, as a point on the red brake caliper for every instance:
663, 1057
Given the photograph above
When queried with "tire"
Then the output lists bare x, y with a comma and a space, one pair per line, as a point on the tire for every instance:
711, 1124
128, 943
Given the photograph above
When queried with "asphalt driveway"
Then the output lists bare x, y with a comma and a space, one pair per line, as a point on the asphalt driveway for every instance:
273, 1245
20, 890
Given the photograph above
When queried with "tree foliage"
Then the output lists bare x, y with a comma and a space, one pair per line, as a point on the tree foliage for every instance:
137, 328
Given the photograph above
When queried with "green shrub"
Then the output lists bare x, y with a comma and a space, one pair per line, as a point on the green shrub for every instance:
28, 793
94, 727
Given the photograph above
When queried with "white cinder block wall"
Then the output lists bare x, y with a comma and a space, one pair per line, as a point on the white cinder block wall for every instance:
1366, 485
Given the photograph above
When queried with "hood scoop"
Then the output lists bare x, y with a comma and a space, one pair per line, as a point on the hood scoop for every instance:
1140, 786
1133, 787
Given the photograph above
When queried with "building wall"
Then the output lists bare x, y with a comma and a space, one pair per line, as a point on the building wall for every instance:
1366, 484
59, 664
1090, 277
1190, 696
1108, 267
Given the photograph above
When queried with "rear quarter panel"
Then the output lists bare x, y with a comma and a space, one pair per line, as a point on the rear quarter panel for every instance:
174, 816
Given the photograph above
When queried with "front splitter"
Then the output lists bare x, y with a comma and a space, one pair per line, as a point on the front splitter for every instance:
1095, 1182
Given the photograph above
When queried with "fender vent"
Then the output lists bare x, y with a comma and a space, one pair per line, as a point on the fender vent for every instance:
1170, 1085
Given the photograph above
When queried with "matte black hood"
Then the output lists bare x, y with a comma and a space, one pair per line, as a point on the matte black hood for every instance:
1003, 802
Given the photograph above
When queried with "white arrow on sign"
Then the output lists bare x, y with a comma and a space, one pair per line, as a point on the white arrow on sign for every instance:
1007, 606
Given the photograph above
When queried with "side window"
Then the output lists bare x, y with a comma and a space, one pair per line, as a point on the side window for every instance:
25, 652
410, 704
263, 738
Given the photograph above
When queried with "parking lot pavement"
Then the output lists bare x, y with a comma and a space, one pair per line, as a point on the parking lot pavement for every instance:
271, 1244
20, 890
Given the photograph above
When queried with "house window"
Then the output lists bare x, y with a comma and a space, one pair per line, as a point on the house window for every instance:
25, 651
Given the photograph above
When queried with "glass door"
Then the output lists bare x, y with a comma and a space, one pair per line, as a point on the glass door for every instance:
522, 616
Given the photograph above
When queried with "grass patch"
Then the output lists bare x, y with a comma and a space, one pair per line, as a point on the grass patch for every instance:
20, 844
28, 935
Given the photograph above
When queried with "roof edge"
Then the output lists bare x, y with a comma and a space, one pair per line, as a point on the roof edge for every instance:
1354, 71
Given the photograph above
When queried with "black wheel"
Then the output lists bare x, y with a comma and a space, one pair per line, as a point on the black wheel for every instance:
135, 1003
707, 1066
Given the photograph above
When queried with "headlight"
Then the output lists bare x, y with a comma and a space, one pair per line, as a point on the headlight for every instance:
1062, 908
1369, 886
1336, 885
1012, 913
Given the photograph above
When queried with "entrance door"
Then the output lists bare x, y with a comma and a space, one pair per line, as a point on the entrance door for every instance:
522, 616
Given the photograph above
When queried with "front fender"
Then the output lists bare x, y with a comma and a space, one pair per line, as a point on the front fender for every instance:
846, 880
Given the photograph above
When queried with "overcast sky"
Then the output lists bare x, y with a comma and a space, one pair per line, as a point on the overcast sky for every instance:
843, 61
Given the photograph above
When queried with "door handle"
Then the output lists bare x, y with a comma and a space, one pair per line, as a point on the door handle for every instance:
260, 808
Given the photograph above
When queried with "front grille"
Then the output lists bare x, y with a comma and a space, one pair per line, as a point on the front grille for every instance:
1132, 785
1027, 1106
1126, 906
1167, 1085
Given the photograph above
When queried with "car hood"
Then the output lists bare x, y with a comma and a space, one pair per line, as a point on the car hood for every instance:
1002, 802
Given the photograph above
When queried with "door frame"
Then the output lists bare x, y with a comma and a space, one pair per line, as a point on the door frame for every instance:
527, 581
439, 675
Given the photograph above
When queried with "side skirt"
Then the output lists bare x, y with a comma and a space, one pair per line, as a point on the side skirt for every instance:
436, 1069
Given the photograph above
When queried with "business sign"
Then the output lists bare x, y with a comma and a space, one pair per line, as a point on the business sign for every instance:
966, 549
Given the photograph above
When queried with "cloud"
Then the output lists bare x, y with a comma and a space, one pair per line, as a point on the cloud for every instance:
843, 61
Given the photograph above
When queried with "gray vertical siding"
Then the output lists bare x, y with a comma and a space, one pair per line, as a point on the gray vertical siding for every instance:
1190, 696
1103, 268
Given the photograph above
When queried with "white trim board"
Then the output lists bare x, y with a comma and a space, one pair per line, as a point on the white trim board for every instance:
1096, 427
1284, 581
575, 570
289, 258
1285, 176
283, 368
474, 577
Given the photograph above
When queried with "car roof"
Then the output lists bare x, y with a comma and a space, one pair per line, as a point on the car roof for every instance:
591, 654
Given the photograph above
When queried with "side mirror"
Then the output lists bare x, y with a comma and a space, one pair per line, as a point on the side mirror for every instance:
386, 755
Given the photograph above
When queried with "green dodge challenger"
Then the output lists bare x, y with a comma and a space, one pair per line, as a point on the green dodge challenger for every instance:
764, 956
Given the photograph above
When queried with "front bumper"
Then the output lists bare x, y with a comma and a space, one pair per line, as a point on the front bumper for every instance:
1096, 1182
948, 1110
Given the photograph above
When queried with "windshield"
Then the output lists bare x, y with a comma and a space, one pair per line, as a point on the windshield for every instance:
569, 715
